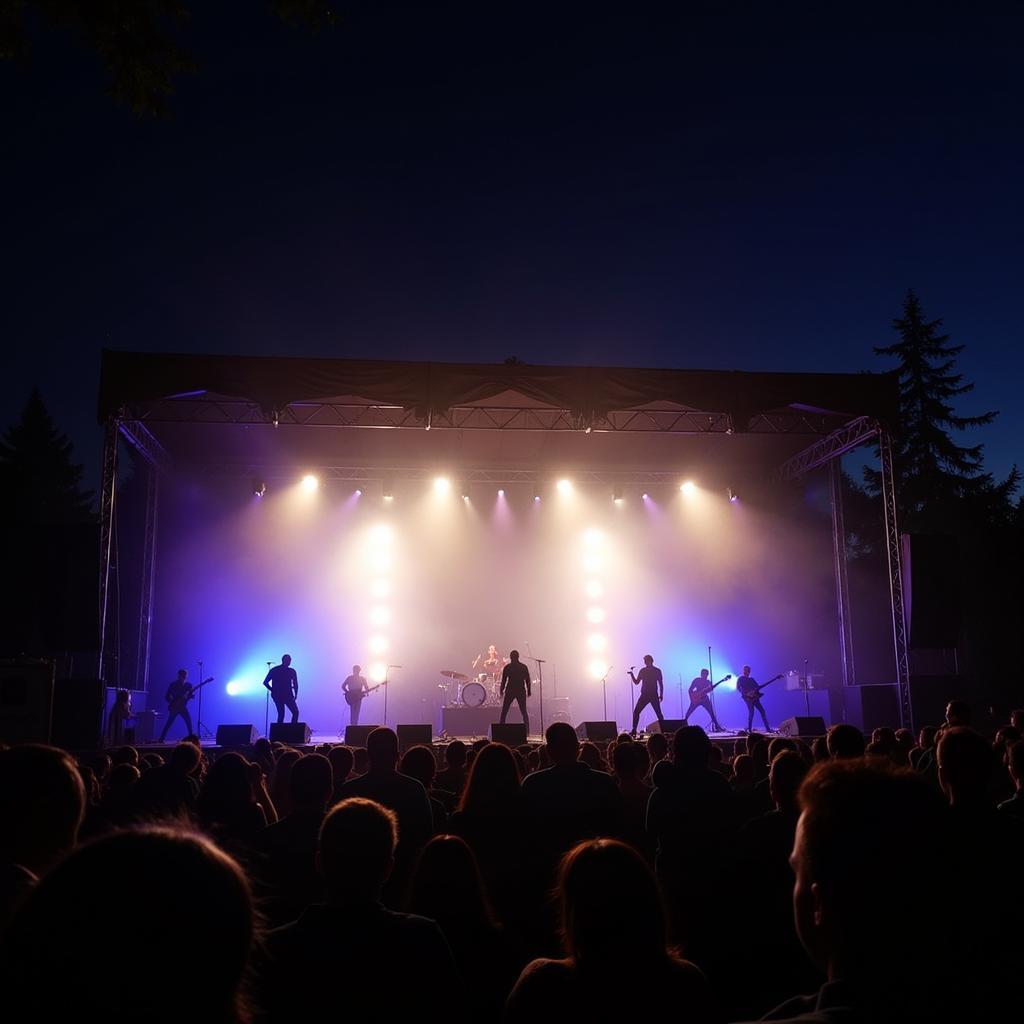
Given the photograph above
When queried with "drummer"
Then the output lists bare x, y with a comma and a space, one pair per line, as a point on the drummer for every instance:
490, 663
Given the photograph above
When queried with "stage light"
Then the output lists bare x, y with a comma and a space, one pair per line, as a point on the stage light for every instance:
382, 534
597, 642
645, 496
594, 589
378, 644
310, 483
233, 689
377, 672
380, 588
464, 490
733, 497
358, 492
259, 488
536, 497
501, 492
617, 494
595, 615
388, 488
564, 486
380, 616
598, 668
442, 485
687, 487
593, 537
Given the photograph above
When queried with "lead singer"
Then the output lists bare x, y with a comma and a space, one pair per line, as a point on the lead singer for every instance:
515, 685
652, 691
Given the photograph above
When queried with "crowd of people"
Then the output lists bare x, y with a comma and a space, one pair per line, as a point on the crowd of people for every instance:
858, 878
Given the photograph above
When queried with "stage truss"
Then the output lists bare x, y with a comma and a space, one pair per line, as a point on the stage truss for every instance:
834, 435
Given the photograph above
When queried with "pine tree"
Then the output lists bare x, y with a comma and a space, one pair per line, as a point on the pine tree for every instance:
940, 485
40, 485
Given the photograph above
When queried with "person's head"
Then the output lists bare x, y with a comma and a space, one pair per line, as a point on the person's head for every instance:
360, 760
286, 659
591, 757
1017, 720
743, 769
493, 779
885, 737
845, 741
419, 764
965, 762
227, 791
857, 820
311, 783
74, 924
625, 762
447, 887
492, 651
42, 803
958, 712
690, 748
124, 698
342, 763
926, 737
648, 660
704, 673
819, 749
122, 779
1005, 738
382, 750
357, 847
608, 894
657, 746
746, 670
777, 745
185, 758
356, 669
563, 744
182, 674
124, 755
786, 773
513, 655
455, 754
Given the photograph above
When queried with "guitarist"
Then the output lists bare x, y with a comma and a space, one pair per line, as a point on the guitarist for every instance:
751, 693
178, 694
700, 691
355, 689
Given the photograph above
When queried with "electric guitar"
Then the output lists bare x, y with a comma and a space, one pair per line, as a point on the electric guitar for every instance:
753, 695
175, 707
353, 696
701, 694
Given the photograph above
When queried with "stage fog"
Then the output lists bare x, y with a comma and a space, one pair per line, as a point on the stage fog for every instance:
427, 579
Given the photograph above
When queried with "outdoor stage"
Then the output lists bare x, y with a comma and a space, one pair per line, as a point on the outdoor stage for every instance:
404, 516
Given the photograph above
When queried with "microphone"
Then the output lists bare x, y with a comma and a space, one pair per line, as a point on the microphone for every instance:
394, 666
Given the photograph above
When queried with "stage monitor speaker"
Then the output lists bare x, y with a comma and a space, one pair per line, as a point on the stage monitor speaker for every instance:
512, 734
601, 732
289, 732
26, 701
672, 726
414, 736
931, 590
236, 735
355, 735
78, 713
803, 725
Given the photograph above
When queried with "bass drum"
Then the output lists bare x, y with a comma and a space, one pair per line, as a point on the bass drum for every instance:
474, 695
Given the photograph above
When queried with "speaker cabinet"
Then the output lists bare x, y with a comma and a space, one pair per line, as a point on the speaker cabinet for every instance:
803, 725
672, 725
236, 735
512, 734
78, 713
601, 732
355, 735
414, 736
26, 701
290, 732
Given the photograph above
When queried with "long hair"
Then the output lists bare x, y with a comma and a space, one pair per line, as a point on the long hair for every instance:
611, 904
447, 886
493, 779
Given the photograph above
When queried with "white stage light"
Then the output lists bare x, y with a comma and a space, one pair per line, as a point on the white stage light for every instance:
310, 483
687, 487
564, 486
597, 642
378, 644
442, 485
377, 672
598, 667
593, 537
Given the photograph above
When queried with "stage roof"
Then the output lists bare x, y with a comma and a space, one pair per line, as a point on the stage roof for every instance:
394, 413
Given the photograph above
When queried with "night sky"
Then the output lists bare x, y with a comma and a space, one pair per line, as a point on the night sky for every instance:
721, 186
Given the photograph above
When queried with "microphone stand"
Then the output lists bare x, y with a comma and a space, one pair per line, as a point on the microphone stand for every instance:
711, 679
604, 692
387, 669
540, 685
266, 708
200, 728
805, 686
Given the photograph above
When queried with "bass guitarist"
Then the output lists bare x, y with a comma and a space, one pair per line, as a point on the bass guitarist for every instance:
178, 694
355, 688
751, 693
700, 692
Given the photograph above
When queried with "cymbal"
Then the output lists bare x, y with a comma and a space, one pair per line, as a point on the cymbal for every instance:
459, 677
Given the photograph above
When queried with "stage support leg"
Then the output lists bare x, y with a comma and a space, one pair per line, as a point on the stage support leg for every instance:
148, 572
843, 606
108, 489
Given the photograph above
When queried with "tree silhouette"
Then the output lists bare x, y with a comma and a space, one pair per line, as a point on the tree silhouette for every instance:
940, 484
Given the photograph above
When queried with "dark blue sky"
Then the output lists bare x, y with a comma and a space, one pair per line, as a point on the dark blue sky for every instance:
729, 186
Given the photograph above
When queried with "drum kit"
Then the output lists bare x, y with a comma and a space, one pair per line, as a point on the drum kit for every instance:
477, 691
